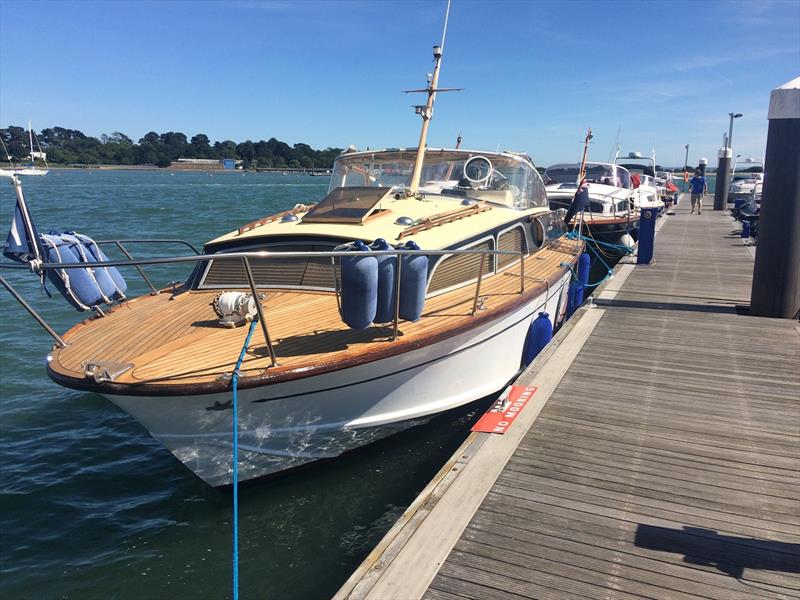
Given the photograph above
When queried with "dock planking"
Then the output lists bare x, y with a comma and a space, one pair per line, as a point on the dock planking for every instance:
665, 463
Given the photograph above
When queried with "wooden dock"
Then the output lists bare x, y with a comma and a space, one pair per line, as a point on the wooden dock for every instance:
659, 459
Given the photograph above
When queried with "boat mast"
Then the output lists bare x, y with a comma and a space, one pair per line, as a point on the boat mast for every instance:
426, 111
30, 139
582, 172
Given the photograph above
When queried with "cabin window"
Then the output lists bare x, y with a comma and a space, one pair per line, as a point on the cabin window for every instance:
538, 233
557, 203
461, 269
512, 240
546, 228
310, 273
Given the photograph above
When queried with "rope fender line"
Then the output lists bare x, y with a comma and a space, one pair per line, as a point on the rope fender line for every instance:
235, 418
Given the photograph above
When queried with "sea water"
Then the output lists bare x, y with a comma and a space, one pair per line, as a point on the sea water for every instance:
92, 507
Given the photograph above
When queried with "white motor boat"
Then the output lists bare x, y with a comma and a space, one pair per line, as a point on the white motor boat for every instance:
645, 192
410, 289
610, 215
746, 181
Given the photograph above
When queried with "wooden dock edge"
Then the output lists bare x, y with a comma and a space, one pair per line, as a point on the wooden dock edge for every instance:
407, 558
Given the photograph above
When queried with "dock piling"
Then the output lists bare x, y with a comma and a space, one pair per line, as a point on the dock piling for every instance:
647, 236
723, 179
776, 276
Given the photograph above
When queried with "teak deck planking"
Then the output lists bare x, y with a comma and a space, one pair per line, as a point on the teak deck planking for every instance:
175, 339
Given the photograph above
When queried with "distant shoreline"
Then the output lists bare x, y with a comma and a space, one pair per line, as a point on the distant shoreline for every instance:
151, 168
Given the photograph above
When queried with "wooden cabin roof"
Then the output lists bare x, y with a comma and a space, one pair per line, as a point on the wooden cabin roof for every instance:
381, 224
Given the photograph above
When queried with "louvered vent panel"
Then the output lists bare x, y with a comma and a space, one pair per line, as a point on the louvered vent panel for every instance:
510, 241
274, 272
460, 269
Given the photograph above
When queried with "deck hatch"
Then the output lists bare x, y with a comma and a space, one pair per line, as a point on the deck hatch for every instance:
347, 205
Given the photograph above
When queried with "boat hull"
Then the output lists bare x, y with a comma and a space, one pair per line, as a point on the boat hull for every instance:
285, 425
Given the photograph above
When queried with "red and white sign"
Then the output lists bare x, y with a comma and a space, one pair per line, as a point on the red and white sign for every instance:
504, 412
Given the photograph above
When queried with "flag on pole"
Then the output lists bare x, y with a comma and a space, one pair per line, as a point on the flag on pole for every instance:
19, 245
580, 202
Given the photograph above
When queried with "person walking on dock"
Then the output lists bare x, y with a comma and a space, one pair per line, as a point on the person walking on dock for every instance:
698, 187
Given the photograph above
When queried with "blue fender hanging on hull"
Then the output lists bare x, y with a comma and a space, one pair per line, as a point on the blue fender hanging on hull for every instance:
387, 279
579, 285
539, 335
359, 287
413, 281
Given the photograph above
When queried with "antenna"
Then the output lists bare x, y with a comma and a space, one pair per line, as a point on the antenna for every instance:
616, 143
587, 139
444, 31
426, 110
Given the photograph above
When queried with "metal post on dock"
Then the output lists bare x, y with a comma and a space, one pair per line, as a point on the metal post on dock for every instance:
723, 182
776, 275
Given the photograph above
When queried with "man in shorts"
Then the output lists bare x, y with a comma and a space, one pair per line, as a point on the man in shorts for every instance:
698, 188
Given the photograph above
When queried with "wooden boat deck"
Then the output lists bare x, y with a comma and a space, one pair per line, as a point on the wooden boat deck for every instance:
175, 340
664, 462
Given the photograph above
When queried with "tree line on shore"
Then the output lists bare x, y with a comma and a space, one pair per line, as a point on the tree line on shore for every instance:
70, 146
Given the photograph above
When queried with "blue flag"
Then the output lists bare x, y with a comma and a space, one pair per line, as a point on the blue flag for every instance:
580, 202
19, 246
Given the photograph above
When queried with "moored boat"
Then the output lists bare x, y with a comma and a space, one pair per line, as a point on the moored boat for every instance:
746, 181
408, 290
609, 216
667, 191
642, 170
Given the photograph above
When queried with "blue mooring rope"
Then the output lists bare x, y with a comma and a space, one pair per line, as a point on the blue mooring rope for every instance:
619, 247
609, 270
234, 385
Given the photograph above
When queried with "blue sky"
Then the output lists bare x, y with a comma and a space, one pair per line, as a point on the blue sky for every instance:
536, 74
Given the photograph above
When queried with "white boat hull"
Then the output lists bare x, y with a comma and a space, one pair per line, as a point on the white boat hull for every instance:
645, 197
285, 425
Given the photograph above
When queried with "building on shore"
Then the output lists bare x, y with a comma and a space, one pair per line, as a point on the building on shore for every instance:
206, 164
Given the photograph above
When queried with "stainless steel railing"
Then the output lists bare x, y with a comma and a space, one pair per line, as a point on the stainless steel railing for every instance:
245, 257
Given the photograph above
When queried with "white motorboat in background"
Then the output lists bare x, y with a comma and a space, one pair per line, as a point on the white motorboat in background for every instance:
746, 181
667, 190
643, 176
610, 215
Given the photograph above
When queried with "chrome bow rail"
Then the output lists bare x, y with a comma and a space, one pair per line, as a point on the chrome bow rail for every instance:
245, 257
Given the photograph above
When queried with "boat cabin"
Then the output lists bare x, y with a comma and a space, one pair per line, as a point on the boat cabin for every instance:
466, 200
603, 179
643, 166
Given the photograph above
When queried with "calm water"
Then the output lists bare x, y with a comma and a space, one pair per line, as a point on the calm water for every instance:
92, 507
